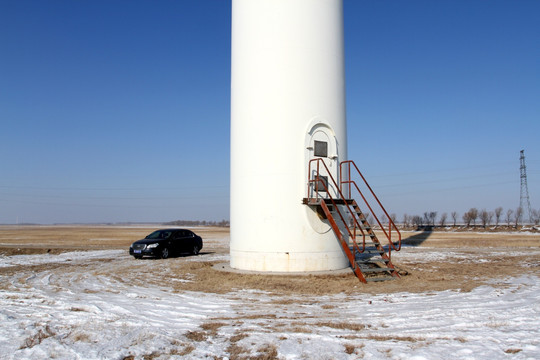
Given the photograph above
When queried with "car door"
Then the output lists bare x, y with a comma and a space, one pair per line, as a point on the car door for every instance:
191, 240
181, 241
176, 242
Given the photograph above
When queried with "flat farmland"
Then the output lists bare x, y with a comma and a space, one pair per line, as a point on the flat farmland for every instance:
74, 292
62, 238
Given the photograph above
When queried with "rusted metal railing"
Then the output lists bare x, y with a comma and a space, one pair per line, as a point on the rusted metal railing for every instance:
315, 186
347, 181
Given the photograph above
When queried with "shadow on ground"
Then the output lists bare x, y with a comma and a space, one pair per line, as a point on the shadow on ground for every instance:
418, 239
411, 241
202, 253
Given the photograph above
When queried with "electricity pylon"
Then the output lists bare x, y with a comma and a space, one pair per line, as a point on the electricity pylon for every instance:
524, 202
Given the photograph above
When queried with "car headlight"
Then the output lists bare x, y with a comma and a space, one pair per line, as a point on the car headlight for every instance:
151, 246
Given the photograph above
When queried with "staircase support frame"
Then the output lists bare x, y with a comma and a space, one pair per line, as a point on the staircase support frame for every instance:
316, 184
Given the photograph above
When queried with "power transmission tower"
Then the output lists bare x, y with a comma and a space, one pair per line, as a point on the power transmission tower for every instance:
524, 202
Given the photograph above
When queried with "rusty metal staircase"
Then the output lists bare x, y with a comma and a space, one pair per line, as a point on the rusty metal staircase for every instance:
369, 259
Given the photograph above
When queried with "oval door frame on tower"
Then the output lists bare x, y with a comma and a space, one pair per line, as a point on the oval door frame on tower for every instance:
319, 130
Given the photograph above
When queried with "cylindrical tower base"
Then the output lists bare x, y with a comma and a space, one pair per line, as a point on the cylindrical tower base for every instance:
287, 107
287, 262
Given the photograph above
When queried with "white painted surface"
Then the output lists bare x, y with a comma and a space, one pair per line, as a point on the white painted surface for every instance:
287, 77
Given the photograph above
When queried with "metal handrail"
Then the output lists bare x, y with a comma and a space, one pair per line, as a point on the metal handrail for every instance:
317, 182
349, 182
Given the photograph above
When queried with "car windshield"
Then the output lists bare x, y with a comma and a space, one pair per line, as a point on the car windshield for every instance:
159, 234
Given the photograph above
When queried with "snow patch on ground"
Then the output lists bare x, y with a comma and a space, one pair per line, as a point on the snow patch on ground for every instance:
40, 259
428, 254
76, 315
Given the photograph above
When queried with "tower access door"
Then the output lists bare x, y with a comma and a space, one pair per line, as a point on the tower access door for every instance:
322, 144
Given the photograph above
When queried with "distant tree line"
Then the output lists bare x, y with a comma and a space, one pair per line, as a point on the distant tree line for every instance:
222, 223
484, 217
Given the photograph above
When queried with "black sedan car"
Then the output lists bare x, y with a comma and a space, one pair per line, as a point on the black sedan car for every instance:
166, 242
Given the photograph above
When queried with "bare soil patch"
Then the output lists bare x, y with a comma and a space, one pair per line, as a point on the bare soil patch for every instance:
421, 277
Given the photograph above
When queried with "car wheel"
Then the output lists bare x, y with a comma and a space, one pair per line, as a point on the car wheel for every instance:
195, 250
164, 253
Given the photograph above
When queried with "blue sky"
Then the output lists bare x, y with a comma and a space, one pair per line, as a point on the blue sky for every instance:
115, 111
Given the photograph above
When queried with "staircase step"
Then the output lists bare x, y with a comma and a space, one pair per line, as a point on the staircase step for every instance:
376, 270
337, 201
368, 244
312, 201
370, 261
380, 278
371, 247
373, 251
370, 251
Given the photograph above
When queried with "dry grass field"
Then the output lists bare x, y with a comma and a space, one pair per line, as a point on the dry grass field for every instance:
35, 239
476, 258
